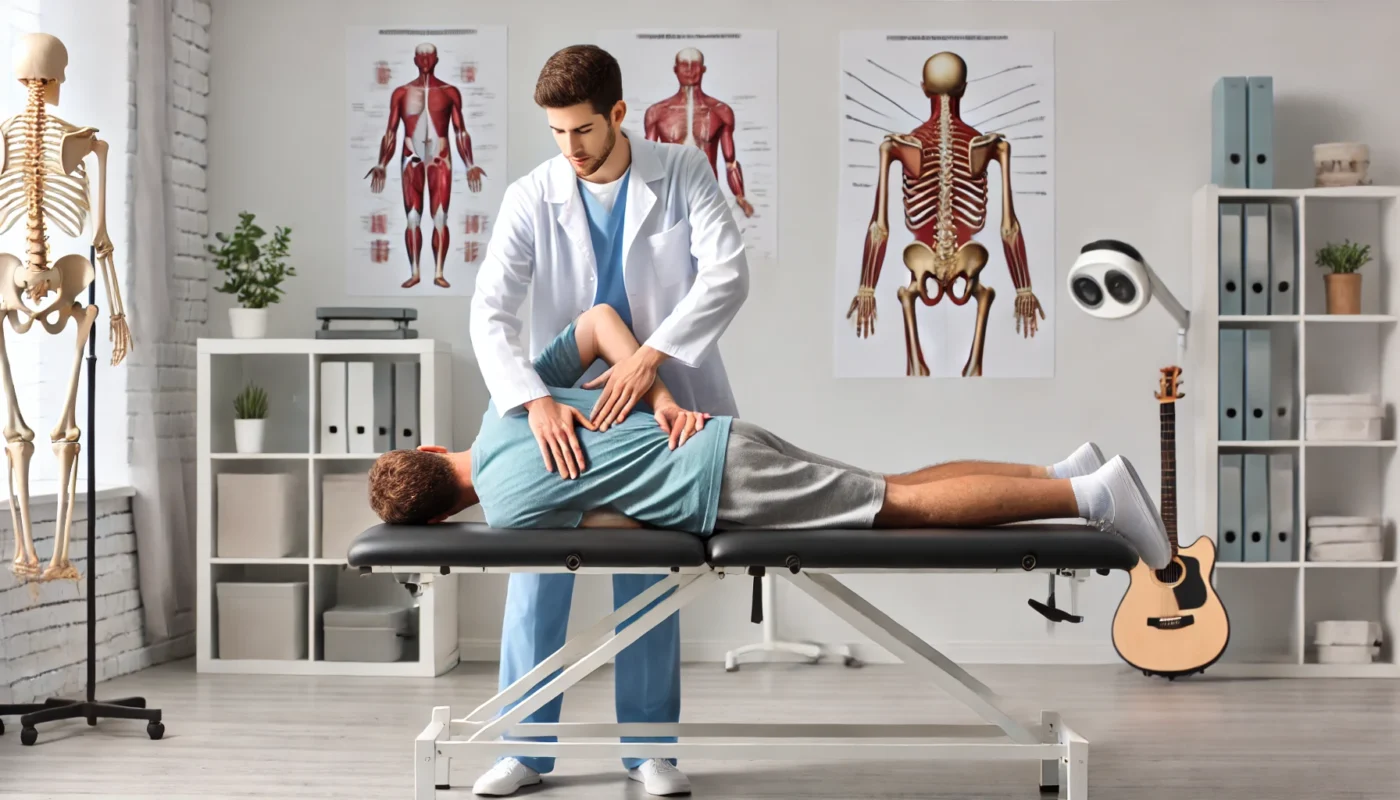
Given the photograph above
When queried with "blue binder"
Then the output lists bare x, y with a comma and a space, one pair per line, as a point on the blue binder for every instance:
1260, 124
1258, 386
1229, 143
1231, 385
1229, 537
1283, 277
1256, 507
1256, 259
1231, 259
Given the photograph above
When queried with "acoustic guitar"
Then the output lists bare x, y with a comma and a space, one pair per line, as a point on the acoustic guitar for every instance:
1171, 621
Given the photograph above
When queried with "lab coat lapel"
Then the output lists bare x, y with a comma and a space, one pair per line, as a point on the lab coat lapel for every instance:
641, 196
570, 214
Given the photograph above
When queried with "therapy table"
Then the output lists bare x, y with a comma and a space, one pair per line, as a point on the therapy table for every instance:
810, 560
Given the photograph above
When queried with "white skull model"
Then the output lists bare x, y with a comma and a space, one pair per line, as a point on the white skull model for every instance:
41, 56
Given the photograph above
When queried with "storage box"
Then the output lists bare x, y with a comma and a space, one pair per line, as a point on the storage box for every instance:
365, 633
1352, 632
345, 512
1343, 417
1345, 551
1337, 530
1346, 654
258, 516
262, 620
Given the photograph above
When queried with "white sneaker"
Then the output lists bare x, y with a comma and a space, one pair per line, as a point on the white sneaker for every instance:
660, 777
1131, 513
505, 778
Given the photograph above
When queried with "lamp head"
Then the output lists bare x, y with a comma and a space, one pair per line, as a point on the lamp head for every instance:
1110, 280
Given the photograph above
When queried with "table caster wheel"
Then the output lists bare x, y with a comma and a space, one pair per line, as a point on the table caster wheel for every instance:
28, 735
155, 730
853, 662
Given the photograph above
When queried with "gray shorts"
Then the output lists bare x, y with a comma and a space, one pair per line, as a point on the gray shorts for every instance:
771, 483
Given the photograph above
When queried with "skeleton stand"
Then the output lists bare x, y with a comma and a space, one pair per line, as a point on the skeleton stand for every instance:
55, 709
771, 645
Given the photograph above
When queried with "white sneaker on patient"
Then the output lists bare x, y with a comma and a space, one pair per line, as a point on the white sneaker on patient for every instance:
660, 777
1083, 461
505, 778
1114, 499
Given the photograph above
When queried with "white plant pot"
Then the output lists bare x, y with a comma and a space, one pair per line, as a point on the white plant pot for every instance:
248, 435
248, 323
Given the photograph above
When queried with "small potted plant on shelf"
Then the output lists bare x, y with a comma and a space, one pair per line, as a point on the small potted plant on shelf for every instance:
249, 416
1343, 282
254, 271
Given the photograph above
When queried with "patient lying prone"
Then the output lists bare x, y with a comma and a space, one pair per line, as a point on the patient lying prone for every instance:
671, 468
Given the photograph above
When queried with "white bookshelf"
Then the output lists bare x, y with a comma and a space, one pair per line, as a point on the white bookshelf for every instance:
1273, 605
289, 369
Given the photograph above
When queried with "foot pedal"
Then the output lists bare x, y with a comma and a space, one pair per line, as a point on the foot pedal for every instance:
1048, 609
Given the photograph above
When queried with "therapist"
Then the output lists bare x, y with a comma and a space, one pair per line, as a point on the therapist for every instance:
640, 226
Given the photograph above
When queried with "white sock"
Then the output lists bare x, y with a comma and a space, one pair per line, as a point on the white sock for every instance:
1081, 462
1092, 495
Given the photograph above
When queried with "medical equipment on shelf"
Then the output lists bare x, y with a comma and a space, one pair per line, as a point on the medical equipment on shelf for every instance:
810, 560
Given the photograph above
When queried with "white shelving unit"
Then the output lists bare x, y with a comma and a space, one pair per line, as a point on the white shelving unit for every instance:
289, 369
1273, 605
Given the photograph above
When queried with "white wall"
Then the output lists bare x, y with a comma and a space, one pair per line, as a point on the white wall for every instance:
1133, 105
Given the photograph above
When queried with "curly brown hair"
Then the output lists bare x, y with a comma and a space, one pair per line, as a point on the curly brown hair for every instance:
583, 73
411, 487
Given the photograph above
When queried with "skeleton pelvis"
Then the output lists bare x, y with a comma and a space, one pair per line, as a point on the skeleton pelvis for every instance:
925, 265
58, 287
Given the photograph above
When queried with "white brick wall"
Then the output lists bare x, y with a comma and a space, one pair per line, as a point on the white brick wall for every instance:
43, 643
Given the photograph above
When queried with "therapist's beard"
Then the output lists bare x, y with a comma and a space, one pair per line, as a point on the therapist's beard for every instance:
597, 164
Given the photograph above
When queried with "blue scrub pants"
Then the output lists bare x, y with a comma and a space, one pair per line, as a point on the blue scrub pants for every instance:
647, 684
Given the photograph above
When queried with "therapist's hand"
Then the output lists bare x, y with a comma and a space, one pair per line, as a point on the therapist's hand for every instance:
553, 425
624, 383
679, 423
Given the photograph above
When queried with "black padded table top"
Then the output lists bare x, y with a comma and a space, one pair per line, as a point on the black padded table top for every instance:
472, 544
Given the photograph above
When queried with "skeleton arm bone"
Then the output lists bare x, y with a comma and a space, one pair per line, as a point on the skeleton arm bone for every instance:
120, 334
1027, 306
876, 236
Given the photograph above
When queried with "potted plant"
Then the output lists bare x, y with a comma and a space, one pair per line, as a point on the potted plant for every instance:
1343, 281
249, 418
254, 273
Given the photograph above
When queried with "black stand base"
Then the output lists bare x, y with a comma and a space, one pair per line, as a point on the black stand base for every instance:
55, 710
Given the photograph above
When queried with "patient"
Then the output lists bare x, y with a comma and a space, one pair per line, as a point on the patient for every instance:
662, 466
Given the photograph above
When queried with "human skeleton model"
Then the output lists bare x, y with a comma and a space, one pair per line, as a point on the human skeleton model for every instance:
944, 163
426, 106
43, 180
692, 117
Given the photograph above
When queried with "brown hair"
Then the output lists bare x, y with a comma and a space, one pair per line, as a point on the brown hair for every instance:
411, 487
582, 73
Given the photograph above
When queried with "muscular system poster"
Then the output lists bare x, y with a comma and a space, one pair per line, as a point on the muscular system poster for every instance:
426, 158
716, 90
946, 241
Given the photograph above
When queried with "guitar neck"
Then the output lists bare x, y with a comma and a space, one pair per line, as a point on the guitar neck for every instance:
1168, 414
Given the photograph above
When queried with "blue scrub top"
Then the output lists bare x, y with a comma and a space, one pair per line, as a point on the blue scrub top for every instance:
605, 228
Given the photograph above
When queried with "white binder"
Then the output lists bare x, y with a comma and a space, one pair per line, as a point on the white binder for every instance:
333, 439
1258, 404
1229, 506
1283, 531
359, 406
1256, 507
1256, 258
383, 406
1231, 259
1283, 270
406, 434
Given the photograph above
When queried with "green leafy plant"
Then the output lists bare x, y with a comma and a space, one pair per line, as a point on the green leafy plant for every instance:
254, 270
251, 403
1343, 258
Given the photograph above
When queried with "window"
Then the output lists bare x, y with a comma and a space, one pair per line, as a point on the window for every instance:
94, 93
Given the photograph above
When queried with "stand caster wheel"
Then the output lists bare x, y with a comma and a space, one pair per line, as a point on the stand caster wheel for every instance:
731, 667
155, 730
28, 735
853, 662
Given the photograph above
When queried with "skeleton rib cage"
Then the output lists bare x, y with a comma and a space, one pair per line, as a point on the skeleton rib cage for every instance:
65, 196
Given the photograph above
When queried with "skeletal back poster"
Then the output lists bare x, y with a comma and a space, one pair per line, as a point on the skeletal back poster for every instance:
716, 90
945, 247
425, 166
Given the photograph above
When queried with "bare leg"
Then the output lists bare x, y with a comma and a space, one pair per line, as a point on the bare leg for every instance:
976, 501
959, 469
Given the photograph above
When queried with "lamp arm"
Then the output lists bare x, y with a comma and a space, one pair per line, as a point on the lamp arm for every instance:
1169, 301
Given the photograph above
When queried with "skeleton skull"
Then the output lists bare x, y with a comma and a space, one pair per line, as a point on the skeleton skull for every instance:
41, 56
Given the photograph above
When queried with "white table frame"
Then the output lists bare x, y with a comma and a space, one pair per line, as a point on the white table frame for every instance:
1062, 754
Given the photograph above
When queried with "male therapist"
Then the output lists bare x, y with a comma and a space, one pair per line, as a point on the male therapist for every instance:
642, 227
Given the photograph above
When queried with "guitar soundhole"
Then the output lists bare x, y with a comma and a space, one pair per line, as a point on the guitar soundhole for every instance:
1171, 573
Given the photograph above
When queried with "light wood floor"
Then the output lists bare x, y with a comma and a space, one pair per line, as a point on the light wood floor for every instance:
272, 737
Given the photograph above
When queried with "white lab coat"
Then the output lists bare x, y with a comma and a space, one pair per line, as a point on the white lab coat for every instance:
684, 269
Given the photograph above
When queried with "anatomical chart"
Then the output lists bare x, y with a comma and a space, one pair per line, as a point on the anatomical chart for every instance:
716, 90
945, 248
425, 168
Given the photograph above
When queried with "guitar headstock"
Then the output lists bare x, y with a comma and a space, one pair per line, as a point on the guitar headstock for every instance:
1169, 385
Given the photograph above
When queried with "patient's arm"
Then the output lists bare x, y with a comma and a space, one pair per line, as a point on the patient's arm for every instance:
603, 518
601, 333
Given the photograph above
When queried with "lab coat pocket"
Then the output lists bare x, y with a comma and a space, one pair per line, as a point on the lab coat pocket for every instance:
670, 254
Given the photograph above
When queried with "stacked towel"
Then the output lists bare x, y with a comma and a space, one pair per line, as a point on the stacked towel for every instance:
1344, 539
1347, 641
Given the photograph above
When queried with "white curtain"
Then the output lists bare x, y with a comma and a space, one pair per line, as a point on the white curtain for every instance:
162, 510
